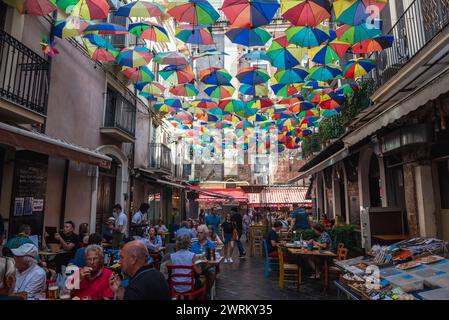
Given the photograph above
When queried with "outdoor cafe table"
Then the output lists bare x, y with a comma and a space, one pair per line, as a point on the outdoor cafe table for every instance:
317, 254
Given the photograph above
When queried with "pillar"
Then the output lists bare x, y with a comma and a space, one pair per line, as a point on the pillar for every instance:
425, 196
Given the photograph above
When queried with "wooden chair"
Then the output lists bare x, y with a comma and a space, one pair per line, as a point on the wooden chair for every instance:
271, 264
288, 272
342, 254
256, 242
188, 272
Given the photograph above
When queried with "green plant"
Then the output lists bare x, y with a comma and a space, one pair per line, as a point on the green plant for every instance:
331, 128
310, 145
359, 101
345, 234
306, 235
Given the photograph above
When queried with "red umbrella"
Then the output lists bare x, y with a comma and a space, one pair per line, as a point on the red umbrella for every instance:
32, 7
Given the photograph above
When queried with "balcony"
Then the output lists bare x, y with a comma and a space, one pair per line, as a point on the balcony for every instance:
418, 53
120, 117
160, 158
24, 82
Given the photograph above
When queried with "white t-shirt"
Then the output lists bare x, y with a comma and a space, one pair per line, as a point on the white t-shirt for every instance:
122, 221
137, 217
32, 281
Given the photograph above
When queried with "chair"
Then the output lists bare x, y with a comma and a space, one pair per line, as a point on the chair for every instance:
288, 272
342, 254
192, 293
256, 242
156, 260
271, 264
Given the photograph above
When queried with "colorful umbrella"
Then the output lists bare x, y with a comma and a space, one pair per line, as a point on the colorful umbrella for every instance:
325, 72
347, 89
329, 53
232, 118
32, 7
219, 92
184, 90
231, 105
196, 12
194, 34
315, 84
177, 74
306, 36
259, 103
218, 112
70, 27
357, 68
256, 55
252, 75
258, 118
259, 90
244, 124
355, 12
283, 54
134, 57
250, 13
91, 9
65, 5
208, 53
293, 75
373, 45
285, 90
305, 12
153, 88
170, 57
215, 76
294, 99
148, 31
204, 104
248, 37
140, 9
164, 108
139, 74
106, 28
98, 48
358, 33
330, 113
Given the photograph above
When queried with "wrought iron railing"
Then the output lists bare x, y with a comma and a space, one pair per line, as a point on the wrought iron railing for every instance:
419, 24
160, 157
119, 113
24, 75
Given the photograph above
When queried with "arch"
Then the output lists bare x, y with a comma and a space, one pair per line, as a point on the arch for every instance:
121, 187
365, 157
340, 191
320, 195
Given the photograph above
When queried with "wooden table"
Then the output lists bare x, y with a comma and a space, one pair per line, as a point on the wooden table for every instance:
391, 237
324, 255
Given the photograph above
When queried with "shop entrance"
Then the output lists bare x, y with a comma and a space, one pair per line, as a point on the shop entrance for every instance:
107, 179
443, 180
395, 186
374, 182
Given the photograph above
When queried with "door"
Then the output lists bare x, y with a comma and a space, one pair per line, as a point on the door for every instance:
443, 179
105, 194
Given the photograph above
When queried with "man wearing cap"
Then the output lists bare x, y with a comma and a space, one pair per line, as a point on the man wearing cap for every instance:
30, 278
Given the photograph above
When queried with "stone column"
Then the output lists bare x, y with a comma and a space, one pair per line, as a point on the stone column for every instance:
425, 196
410, 199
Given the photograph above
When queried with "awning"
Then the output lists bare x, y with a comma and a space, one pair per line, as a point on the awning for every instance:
221, 195
272, 196
150, 175
38, 142
340, 155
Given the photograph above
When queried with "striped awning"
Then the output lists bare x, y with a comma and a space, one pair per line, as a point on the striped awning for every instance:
221, 195
279, 197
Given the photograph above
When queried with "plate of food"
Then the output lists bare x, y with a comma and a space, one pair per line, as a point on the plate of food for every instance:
431, 259
408, 265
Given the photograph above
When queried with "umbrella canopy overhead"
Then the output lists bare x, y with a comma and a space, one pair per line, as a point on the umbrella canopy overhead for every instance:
149, 31
355, 12
91, 9
376, 44
140, 9
259, 90
98, 48
248, 37
139, 74
306, 36
250, 13
329, 53
283, 54
194, 34
170, 57
358, 33
306, 12
177, 74
256, 55
216, 76
32, 7
184, 90
325, 72
293, 75
134, 57
219, 91
106, 28
252, 75
196, 12
357, 68
70, 28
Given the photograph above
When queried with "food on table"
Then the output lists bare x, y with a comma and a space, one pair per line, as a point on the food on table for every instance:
431, 259
408, 265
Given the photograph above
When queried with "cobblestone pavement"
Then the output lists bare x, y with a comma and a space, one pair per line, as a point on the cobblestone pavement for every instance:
244, 280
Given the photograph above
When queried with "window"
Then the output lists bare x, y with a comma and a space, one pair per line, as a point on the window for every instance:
443, 176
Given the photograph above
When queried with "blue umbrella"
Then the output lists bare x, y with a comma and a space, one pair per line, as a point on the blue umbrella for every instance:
248, 37
306, 36
256, 55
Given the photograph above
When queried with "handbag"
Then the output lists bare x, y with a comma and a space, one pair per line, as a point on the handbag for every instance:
235, 234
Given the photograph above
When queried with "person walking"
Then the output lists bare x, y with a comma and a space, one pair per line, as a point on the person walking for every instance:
213, 220
237, 220
246, 223
227, 231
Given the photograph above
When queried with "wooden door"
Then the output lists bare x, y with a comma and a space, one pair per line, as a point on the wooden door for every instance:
105, 195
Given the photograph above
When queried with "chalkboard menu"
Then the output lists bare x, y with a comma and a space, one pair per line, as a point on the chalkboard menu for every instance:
29, 188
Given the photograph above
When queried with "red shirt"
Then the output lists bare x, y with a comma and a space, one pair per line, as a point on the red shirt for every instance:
97, 288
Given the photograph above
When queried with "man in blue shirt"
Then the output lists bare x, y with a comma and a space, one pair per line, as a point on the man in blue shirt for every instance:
184, 230
300, 219
213, 220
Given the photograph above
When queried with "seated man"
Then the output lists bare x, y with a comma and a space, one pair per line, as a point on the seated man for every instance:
106, 230
183, 257
69, 241
80, 257
94, 277
199, 247
30, 278
184, 230
16, 241
324, 242
7, 279
272, 240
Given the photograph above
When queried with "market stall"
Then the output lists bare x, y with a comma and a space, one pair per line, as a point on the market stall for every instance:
408, 270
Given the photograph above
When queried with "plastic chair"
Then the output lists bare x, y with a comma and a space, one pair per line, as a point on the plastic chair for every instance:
271, 264
288, 272
192, 293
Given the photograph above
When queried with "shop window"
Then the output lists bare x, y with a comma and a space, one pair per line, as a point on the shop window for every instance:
443, 176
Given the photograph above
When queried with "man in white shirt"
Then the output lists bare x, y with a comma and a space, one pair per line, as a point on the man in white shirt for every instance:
30, 278
138, 219
120, 230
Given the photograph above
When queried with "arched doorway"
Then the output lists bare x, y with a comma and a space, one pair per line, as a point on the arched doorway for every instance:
340, 193
107, 182
374, 179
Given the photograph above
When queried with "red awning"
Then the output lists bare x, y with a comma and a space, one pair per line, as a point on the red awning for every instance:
221, 195
279, 197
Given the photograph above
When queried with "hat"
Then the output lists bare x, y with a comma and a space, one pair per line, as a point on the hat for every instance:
26, 249
110, 219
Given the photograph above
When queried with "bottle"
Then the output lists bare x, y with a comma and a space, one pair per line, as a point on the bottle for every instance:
300, 240
213, 255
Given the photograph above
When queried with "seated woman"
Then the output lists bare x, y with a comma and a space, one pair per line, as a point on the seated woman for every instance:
161, 226
154, 240
272, 240
191, 227
183, 257
213, 236
324, 242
